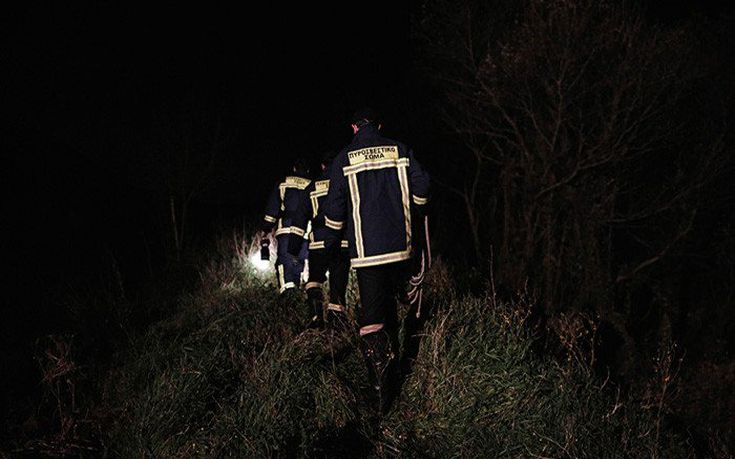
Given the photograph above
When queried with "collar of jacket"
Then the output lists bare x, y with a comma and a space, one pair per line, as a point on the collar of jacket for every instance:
371, 130
301, 176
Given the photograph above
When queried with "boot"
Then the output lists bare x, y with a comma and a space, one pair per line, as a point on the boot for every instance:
381, 358
336, 318
315, 300
291, 297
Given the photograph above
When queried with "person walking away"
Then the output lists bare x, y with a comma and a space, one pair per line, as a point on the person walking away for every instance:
375, 183
334, 260
280, 210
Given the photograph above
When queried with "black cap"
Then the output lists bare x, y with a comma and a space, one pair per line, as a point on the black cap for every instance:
364, 116
301, 167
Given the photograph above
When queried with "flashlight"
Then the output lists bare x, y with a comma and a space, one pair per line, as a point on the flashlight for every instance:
265, 253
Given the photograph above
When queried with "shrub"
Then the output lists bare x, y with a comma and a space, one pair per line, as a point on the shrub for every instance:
234, 374
231, 372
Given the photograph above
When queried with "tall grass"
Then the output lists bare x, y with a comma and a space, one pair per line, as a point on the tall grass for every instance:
231, 372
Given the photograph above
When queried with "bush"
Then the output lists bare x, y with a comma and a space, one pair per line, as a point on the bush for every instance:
231, 372
234, 374
477, 388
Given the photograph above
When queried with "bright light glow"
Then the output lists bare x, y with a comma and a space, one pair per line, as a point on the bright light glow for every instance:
260, 265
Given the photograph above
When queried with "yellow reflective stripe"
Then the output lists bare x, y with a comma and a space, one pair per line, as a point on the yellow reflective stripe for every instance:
372, 154
403, 180
287, 285
295, 182
314, 206
386, 258
374, 165
281, 280
318, 194
269, 219
291, 182
335, 307
296, 230
419, 201
282, 193
355, 195
316, 245
290, 230
313, 285
333, 224
321, 185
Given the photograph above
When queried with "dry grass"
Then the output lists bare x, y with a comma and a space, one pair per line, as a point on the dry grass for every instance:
232, 373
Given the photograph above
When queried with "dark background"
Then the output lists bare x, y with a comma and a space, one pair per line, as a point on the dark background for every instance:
84, 90
84, 87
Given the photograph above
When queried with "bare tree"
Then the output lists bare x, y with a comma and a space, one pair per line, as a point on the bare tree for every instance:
181, 164
585, 123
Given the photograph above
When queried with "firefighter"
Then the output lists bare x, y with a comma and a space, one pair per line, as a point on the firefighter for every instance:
376, 185
334, 260
280, 210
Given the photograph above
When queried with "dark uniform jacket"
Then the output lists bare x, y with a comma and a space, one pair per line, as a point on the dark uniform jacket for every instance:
374, 183
311, 210
283, 204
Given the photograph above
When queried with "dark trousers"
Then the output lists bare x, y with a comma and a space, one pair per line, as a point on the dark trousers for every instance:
379, 285
289, 267
337, 263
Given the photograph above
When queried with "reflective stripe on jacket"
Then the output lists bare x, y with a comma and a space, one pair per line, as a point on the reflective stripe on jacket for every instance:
374, 183
311, 210
283, 204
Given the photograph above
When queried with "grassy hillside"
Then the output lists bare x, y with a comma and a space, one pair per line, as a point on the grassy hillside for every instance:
231, 372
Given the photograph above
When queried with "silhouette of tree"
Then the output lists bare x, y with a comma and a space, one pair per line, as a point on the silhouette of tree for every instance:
587, 135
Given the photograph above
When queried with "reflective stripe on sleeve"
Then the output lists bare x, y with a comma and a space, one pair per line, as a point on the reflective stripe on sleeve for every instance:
333, 224
296, 230
383, 259
419, 200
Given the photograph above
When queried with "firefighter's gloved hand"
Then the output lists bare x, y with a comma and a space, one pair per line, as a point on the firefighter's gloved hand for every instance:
295, 244
266, 227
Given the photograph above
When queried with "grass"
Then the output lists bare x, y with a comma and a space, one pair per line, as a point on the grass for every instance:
231, 372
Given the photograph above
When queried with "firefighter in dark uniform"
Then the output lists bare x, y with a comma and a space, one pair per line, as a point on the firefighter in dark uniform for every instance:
376, 185
280, 210
334, 260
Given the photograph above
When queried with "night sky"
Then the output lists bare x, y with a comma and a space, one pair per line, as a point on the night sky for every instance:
86, 83
84, 90
85, 86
